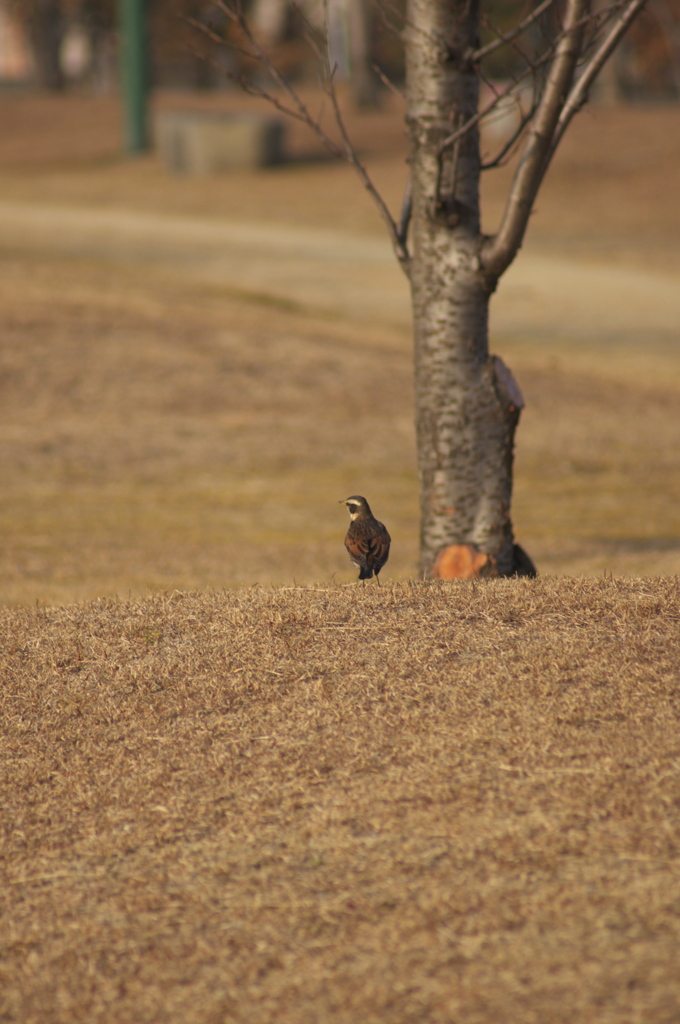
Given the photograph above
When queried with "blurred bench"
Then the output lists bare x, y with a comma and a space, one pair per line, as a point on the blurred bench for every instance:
206, 142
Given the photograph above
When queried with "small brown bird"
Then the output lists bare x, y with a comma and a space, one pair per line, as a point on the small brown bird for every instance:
367, 540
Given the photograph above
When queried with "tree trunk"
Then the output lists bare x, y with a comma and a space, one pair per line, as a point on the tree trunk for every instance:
46, 28
268, 18
364, 81
467, 403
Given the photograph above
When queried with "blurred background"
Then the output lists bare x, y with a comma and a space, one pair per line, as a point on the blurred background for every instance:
66, 44
205, 339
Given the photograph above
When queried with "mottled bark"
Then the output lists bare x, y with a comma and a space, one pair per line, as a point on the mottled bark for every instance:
467, 404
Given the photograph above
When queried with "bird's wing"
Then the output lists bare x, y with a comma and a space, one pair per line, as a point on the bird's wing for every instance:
379, 547
358, 546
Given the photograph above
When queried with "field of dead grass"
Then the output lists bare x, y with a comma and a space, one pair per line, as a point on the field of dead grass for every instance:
425, 802
157, 437
167, 430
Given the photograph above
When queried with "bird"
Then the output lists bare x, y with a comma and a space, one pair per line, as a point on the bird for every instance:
367, 540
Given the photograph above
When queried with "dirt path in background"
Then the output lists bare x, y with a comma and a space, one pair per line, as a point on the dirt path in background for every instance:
543, 296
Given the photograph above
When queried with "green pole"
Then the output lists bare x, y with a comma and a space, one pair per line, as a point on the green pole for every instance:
134, 75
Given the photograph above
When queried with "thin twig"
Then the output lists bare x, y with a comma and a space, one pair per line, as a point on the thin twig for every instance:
309, 31
352, 157
500, 250
579, 93
509, 146
387, 82
393, 29
533, 66
524, 118
498, 96
476, 55
300, 112
258, 92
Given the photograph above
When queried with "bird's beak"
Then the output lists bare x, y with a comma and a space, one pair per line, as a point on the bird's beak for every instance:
342, 502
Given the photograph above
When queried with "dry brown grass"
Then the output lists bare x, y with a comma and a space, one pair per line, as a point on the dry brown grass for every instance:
156, 436
161, 431
426, 802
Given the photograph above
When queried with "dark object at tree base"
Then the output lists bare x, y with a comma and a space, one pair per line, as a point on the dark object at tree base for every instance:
522, 564
466, 561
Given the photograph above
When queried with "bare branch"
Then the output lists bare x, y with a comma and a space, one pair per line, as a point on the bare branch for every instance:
236, 15
579, 93
499, 94
533, 66
382, 6
387, 82
308, 32
300, 112
504, 38
509, 146
351, 156
500, 250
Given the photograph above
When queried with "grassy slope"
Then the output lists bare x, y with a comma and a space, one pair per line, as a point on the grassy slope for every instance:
421, 802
